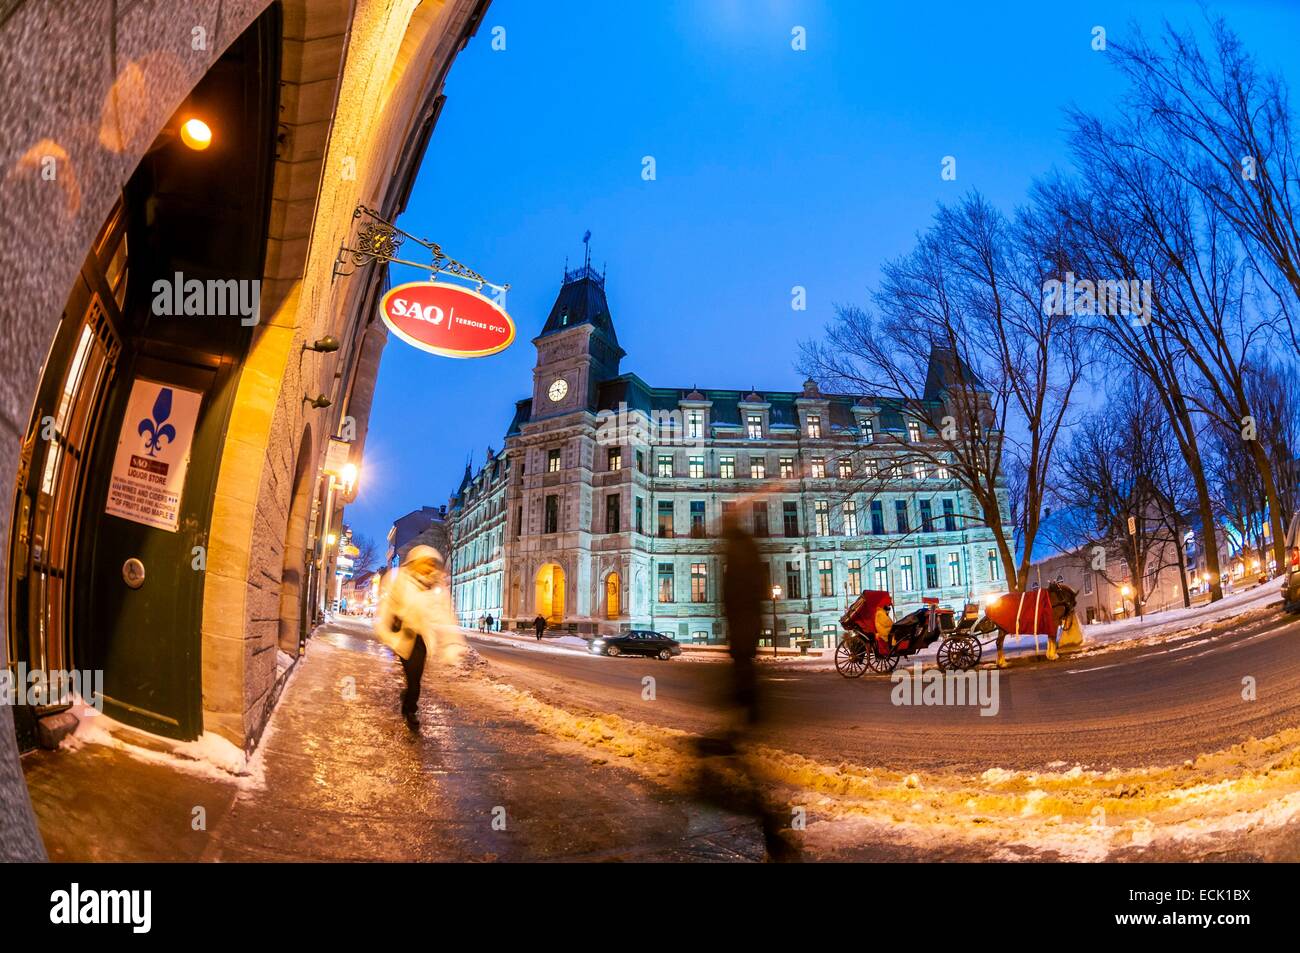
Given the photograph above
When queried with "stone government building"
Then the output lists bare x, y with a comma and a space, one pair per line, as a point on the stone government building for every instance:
603, 512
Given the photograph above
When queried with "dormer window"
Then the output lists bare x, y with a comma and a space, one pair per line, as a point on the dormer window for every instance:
754, 426
868, 432
695, 425
913, 432
814, 425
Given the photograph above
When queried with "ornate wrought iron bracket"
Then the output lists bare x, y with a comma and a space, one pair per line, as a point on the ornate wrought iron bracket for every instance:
380, 240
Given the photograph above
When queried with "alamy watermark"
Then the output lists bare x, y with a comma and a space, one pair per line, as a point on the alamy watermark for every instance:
1130, 298
23, 686
931, 687
180, 296
661, 428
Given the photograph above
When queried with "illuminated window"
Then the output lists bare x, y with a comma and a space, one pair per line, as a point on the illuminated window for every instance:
954, 569
665, 582
826, 577
855, 576
913, 432
552, 461
699, 582
821, 510
850, 509
696, 468
845, 468
819, 468
757, 468
615, 457
666, 466
727, 468
754, 426
787, 468
814, 425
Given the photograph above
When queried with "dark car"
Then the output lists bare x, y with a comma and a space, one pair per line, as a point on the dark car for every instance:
637, 642
1291, 571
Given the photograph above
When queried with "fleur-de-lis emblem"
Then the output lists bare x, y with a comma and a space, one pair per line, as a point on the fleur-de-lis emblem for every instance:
156, 428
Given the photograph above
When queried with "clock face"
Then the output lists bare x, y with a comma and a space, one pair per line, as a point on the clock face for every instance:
558, 390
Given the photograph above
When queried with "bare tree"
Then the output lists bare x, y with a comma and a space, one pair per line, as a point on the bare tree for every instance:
1114, 500
368, 558
959, 344
1225, 128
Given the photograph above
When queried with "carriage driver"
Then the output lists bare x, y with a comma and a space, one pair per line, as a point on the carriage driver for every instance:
884, 623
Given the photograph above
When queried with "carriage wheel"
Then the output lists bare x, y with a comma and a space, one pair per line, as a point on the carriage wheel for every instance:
851, 657
880, 664
961, 653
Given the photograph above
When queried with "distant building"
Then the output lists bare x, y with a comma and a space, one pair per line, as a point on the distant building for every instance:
603, 510
426, 526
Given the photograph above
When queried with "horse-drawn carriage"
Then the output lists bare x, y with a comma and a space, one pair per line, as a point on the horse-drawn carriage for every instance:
874, 641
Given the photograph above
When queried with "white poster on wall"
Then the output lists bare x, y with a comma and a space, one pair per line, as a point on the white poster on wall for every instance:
153, 454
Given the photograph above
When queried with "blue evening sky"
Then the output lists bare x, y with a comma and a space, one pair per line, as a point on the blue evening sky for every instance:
775, 168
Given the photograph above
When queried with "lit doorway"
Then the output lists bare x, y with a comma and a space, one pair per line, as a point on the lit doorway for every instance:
550, 592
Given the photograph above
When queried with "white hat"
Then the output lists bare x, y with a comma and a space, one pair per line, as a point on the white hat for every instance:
422, 552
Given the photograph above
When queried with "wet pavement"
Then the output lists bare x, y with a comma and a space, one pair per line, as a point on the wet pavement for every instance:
342, 778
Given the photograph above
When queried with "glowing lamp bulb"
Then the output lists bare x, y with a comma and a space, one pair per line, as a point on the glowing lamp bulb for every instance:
196, 134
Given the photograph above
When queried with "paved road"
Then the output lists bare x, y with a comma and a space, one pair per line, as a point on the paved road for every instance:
1121, 707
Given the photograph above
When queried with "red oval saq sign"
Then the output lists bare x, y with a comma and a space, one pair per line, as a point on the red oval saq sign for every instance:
446, 319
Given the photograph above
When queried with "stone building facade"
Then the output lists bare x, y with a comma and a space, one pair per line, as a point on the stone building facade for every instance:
603, 512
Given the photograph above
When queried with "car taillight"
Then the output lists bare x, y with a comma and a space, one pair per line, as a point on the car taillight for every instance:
1294, 557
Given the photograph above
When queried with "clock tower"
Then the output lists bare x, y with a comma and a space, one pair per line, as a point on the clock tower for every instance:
577, 348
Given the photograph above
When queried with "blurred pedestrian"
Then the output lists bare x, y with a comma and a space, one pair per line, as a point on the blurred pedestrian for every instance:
726, 777
539, 624
415, 619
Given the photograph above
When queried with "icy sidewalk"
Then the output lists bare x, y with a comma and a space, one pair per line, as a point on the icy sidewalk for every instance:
339, 777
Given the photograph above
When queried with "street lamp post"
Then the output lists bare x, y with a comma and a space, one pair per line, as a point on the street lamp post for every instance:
776, 594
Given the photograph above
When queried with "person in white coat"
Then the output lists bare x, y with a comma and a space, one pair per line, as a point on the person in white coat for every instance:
415, 619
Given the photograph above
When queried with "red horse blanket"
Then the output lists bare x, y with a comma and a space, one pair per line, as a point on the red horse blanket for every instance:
1028, 613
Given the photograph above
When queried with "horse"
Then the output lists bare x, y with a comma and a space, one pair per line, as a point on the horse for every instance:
1036, 612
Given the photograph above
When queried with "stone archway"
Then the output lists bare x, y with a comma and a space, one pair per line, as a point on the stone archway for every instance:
549, 592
